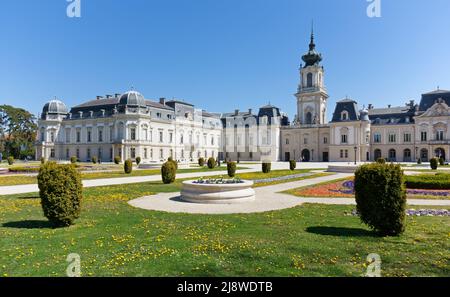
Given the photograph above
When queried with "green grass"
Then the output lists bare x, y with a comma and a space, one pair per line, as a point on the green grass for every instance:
115, 239
27, 179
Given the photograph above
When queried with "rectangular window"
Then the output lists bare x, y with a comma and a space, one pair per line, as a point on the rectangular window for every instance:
88, 153
392, 138
346, 154
89, 136
67, 153
78, 153
325, 140
151, 153
160, 136
170, 137
133, 153
52, 153
145, 153
440, 135
342, 154
377, 138
423, 136
407, 137
67, 135
344, 138
161, 154
100, 135
133, 133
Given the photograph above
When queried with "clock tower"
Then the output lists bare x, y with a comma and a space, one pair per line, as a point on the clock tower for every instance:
311, 94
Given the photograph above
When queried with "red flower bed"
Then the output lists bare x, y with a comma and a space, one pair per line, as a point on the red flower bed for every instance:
335, 189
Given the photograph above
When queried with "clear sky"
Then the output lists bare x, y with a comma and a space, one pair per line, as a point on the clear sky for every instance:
221, 54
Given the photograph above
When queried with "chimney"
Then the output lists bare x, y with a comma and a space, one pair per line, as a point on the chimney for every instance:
250, 111
389, 106
236, 112
99, 97
117, 95
162, 101
108, 96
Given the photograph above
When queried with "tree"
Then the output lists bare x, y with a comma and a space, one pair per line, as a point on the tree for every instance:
18, 130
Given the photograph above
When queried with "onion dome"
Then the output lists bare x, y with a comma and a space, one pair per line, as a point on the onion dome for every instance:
312, 57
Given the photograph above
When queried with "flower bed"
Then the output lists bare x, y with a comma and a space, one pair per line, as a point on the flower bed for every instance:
345, 189
419, 212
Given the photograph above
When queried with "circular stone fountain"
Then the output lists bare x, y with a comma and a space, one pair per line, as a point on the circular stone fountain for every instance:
217, 193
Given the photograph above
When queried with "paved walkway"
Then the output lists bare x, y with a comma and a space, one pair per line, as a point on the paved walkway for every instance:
268, 198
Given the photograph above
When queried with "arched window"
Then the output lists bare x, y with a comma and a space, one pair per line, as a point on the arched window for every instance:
392, 155
308, 118
407, 155
344, 115
309, 80
377, 154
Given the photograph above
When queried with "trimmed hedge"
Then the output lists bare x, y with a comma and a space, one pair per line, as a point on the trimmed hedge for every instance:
292, 165
201, 162
381, 197
231, 168
23, 169
175, 163
266, 167
381, 161
60, 190
441, 161
211, 163
168, 172
117, 160
128, 166
138, 160
10, 160
434, 163
438, 181
73, 160
94, 160
43, 160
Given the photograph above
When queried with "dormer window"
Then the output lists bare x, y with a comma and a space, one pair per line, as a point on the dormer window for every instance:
344, 115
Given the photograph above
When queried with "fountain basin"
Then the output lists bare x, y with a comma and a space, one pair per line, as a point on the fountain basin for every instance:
217, 193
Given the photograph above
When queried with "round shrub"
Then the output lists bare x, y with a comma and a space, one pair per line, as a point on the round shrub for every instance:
42, 160
117, 160
94, 160
292, 164
73, 160
434, 163
10, 160
231, 168
266, 167
441, 161
381, 197
138, 160
211, 163
381, 161
128, 166
201, 162
175, 163
419, 161
60, 190
168, 172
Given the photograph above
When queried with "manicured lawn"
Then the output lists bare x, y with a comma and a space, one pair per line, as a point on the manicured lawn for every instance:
24, 179
343, 188
115, 239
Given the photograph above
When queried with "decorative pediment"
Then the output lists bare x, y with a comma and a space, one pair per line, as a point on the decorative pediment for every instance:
439, 109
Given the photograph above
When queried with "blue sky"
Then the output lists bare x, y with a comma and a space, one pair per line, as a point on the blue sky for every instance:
220, 54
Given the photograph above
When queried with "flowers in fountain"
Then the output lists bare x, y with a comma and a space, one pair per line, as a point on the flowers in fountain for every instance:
218, 181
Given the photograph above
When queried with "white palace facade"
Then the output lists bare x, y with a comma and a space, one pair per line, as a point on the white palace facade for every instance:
130, 126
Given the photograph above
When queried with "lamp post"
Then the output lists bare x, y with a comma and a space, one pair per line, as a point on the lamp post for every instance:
356, 149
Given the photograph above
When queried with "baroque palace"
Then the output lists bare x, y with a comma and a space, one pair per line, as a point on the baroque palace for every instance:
128, 125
